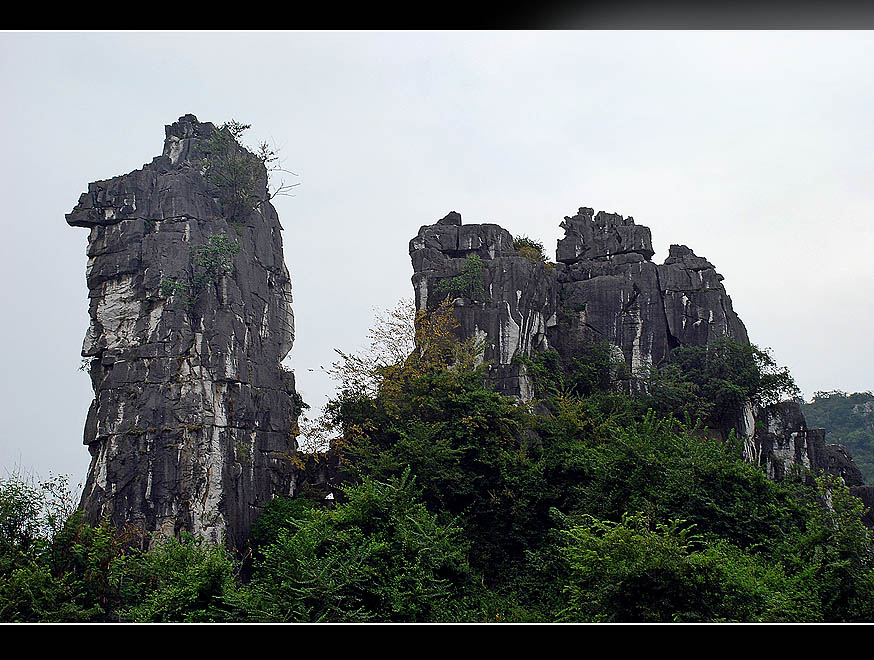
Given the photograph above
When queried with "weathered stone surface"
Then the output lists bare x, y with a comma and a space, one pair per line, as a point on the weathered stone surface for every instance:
517, 304
191, 424
605, 287
614, 300
836, 460
611, 290
780, 442
697, 308
601, 237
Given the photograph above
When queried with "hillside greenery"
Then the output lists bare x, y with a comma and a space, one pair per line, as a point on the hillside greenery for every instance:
465, 505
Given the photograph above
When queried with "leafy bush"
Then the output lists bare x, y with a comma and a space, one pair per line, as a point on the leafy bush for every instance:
832, 550
279, 514
23, 528
639, 570
380, 556
597, 368
404, 345
183, 580
213, 259
209, 262
433, 413
238, 177
32, 514
714, 381
466, 284
530, 249
606, 462
73, 576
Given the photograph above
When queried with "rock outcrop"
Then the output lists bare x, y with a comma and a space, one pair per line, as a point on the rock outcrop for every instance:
781, 441
191, 427
518, 299
610, 289
603, 286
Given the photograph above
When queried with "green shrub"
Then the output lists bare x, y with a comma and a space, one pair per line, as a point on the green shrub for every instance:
597, 368
280, 513
213, 259
530, 249
380, 556
238, 178
640, 570
210, 261
184, 580
467, 283
714, 381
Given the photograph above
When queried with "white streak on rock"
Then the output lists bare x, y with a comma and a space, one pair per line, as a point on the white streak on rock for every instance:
118, 311
154, 319
510, 337
423, 293
208, 520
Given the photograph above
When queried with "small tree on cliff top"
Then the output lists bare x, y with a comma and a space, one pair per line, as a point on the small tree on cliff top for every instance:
237, 174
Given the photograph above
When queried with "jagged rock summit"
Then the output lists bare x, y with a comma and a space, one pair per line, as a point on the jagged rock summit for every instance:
603, 286
191, 427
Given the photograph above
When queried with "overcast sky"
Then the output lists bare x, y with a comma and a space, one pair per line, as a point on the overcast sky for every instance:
755, 149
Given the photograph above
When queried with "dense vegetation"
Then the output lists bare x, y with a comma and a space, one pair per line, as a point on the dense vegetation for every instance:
848, 420
466, 506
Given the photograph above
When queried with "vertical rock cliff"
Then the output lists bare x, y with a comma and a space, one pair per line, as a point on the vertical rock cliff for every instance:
603, 286
610, 289
191, 427
516, 303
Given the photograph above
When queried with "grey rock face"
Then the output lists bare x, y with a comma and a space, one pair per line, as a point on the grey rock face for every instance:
618, 300
611, 290
518, 299
604, 286
192, 418
781, 442
601, 236
697, 308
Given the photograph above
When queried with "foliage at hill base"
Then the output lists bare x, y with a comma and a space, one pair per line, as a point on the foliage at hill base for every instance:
465, 505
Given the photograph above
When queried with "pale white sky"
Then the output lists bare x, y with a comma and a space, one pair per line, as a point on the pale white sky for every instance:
755, 149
